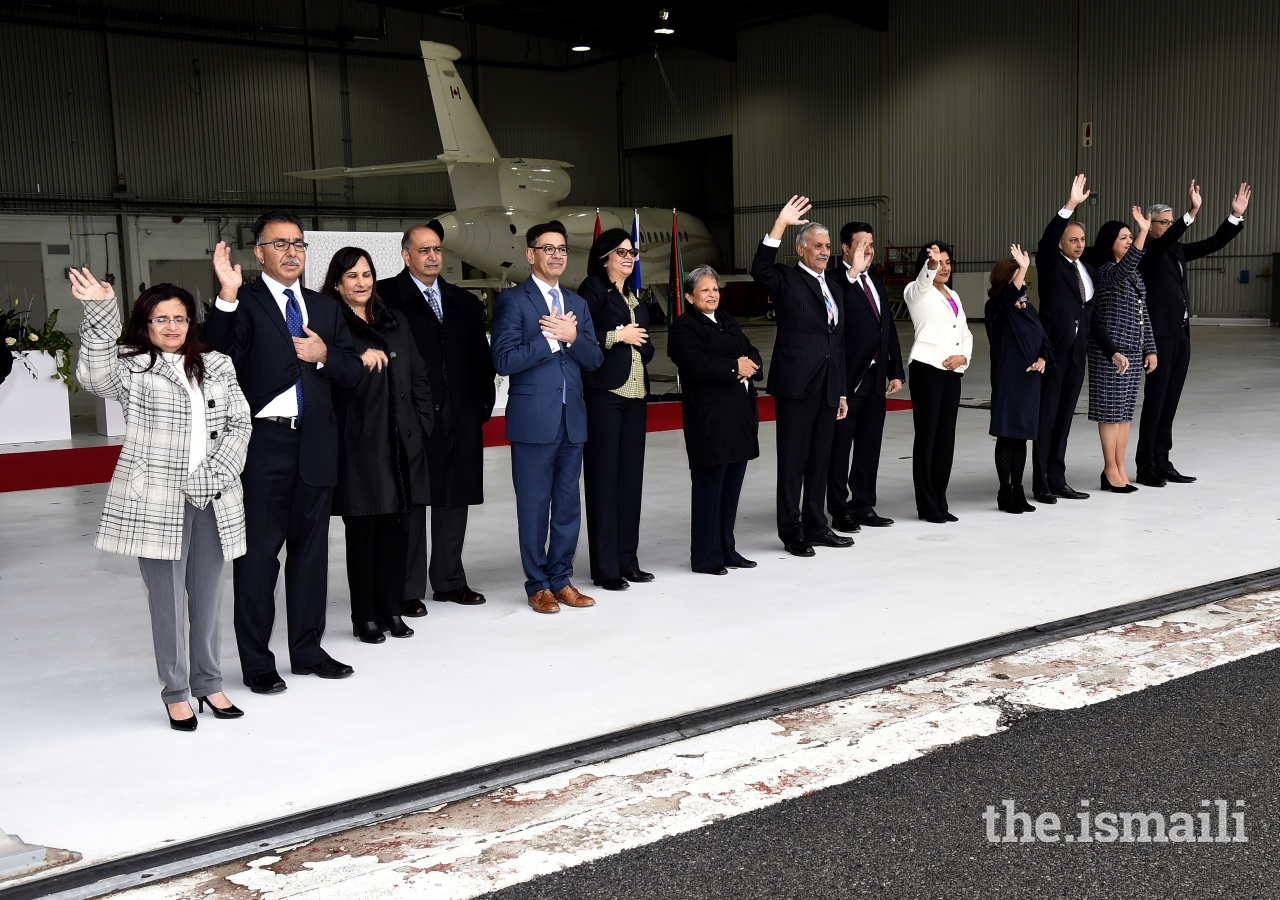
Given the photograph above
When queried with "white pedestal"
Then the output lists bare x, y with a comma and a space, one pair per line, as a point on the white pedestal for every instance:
110, 417
17, 857
34, 408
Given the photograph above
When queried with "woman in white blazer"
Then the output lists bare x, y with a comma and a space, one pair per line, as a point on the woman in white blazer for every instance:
941, 352
175, 500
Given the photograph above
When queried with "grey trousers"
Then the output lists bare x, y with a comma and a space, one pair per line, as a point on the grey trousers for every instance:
448, 531
191, 583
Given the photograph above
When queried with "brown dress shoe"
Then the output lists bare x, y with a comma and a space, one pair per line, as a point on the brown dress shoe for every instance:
569, 596
543, 602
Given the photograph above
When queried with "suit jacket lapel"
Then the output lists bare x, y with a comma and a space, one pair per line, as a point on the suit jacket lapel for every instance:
262, 294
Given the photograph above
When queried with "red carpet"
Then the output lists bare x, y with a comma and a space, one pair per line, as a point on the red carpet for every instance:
94, 465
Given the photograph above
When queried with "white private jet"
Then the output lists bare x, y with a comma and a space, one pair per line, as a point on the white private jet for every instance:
499, 198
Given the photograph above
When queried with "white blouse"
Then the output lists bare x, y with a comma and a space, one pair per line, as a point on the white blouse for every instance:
940, 330
199, 440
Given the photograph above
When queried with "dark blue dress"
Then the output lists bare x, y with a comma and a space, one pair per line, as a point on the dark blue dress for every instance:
1017, 340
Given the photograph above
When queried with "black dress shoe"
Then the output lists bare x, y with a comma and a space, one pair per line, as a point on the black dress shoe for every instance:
871, 520
414, 609
1018, 496
368, 632
950, 518
1151, 477
799, 548
614, 584
266, 683
639, 576
327, 668
935, 518
719, 571
1172, 474
1067, 492
1045, 498
831, 539
846, 523
396, 628
463, 596
740, 563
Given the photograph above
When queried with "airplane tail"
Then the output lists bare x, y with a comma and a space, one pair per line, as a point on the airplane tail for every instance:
461, 129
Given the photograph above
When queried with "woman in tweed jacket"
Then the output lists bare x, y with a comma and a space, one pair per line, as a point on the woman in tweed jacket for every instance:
175, 498
1122, 309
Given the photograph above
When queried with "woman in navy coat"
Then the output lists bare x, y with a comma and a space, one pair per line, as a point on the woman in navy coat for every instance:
1020, 351
1122, 309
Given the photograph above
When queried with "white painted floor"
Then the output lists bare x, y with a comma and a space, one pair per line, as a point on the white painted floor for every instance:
88, 763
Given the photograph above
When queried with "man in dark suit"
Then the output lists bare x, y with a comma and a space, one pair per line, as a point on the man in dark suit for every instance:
543, 339
290, 346
806, 375
873, 372
1164, 270
1066, 284
448, 327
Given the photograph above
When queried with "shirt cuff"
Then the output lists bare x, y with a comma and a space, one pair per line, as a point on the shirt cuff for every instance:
610, 339
1235, 220
771, 241
1188, 218
1064, 212
226, 305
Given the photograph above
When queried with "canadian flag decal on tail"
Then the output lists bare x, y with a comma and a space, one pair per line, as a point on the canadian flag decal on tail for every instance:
454, 92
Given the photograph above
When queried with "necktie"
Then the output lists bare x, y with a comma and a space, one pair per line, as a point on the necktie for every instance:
866, 292
555, 311
830, 304
434, 302
293, 321
1080, 282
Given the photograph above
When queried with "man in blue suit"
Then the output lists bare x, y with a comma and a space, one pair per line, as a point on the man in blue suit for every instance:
542, 340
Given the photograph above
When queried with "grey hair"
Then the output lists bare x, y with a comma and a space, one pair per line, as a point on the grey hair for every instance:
1156, 209
802, 236
697, 274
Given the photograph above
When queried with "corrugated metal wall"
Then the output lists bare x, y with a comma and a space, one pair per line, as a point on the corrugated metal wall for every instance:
692, 103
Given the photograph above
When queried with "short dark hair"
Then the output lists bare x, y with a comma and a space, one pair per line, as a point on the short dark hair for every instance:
1100, 252
274, 215
433, 225
850, 229
137, 339
923, 256
602, 246
553, 227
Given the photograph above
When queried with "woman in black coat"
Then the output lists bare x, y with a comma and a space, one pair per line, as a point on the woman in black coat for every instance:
613, 458
717, 366
384, 422
1020, 351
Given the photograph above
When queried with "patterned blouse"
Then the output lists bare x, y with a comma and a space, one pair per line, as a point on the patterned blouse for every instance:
633, 387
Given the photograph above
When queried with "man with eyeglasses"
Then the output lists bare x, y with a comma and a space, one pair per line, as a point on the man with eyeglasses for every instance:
290, 347
1164, 271
448, 326
543, 339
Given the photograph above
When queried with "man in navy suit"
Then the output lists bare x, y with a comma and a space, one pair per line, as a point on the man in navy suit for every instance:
542, 340
290, 346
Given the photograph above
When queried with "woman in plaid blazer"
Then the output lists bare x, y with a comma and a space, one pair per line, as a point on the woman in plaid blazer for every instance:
175, 498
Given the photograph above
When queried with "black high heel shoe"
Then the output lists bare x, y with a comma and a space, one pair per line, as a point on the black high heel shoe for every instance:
182, 724
395, 625
368, 632
221, 712
1117, 489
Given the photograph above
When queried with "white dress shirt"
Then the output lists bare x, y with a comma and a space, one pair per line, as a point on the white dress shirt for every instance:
285, 404
422, 292
546, 296
1075, 264
199, 440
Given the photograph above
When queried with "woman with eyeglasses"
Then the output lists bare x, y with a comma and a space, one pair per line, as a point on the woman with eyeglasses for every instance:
383, 425
613, 458
175, 499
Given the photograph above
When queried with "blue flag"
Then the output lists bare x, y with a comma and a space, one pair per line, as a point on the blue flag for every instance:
637, 283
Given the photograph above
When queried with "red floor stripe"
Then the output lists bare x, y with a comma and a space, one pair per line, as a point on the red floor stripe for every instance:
93, 465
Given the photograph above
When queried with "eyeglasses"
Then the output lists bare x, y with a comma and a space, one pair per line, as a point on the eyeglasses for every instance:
1164, 222
165, 320
282, 245
623, 253
553, 250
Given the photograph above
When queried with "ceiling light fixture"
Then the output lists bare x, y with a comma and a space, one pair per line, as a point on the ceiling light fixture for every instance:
664, 28
581, 48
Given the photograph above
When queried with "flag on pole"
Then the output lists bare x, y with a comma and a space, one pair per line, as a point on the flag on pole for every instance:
637, 283
599, 229
675, 296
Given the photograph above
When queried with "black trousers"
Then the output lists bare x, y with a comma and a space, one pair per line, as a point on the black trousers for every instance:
804, 430
281, 510
1059, 390
713, 511
851, 486
376, 548
935, 403
1160, 399
613, 477
443, 565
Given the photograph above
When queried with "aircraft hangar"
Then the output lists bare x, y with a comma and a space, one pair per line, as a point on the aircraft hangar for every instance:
692, 736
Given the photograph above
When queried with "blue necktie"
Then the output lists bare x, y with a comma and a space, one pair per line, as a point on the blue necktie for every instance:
434, 302
555, 311
293, 320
